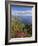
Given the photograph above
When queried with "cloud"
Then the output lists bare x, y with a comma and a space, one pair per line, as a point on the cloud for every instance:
23, 13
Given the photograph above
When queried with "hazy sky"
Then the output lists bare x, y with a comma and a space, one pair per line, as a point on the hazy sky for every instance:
15, 9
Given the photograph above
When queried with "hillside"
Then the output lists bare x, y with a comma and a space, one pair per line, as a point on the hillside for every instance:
20, 27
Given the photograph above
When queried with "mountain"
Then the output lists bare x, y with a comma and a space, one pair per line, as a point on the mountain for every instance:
23, 19
26, 19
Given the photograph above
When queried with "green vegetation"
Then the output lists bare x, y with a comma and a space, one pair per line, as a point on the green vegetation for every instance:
19, 29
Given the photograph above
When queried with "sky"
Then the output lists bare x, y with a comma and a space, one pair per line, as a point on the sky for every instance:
15, 9
23, 17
